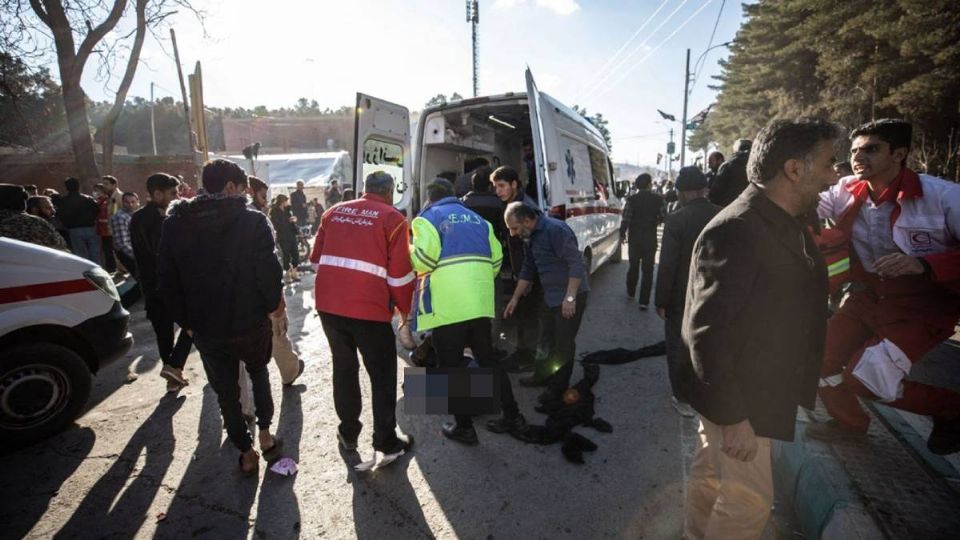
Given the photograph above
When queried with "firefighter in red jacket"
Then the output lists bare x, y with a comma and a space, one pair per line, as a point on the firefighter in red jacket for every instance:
904, 245
362, 260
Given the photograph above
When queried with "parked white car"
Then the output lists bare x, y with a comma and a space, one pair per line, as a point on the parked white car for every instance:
60, 322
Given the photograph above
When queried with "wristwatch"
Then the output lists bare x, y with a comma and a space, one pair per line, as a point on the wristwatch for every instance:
570, 299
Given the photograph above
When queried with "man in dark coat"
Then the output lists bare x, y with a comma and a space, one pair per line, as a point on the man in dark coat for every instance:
641, 216
223, 283
298, 204
482, 200
755, 324
731, 178
145, 226
680, 231
78, 214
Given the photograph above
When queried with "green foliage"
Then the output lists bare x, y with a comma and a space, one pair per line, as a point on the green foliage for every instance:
441, 99
30, 107
848, 61
598, 122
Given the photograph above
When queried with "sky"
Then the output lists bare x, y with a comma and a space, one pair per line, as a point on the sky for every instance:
621, 58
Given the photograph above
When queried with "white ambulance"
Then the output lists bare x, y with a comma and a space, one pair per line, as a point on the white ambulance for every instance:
572, 172
60, 321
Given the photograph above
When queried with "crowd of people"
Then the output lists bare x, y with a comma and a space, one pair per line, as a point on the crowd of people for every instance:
741, 286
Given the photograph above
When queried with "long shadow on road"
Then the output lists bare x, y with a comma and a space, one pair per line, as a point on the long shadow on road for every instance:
278, 511
107, 511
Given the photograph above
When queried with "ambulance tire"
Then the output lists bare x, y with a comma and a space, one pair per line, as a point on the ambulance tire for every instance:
43, 389
617, 253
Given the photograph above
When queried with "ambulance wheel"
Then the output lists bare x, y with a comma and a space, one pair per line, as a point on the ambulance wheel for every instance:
617, 253
588, 260
43, 389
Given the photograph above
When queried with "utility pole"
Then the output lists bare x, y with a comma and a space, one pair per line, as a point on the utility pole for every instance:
671, 148
473, 17
183, 92
153, 125
686, 97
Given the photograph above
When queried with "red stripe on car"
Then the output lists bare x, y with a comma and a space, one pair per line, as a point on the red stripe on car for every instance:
23, 293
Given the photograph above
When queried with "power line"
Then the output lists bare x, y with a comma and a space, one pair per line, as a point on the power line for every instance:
629, 41
649, 54
703, 60
592, 88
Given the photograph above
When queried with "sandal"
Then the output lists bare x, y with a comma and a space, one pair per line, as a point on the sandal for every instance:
249, 472
273, 453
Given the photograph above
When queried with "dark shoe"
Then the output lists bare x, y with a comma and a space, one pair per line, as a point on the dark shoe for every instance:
533, 381
402, 443
462, 434
833, 431
945, 438
507, 424
345, 443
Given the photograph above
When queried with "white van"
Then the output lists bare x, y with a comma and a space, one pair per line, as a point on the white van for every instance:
573, 174
60, 321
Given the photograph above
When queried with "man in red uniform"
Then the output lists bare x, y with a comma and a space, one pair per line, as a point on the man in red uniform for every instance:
904, 239
362, 259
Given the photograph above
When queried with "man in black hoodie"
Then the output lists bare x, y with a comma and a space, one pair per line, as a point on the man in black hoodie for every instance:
222, 282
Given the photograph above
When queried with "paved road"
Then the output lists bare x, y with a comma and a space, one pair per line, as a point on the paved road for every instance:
138, 452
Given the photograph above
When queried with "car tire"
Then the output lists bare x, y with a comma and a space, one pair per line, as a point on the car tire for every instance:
617, 253
43, 389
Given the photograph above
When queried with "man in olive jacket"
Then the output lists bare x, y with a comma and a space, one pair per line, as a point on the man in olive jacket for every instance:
680, 232
755, 323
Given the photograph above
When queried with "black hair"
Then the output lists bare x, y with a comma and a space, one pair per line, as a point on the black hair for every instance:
129, 194
844, 166
256, 184
111, 179
717, 153
894, 131
783, 140
348, 194
72, 184
480, 181
440, 188
13, 197
643, 181
217, 173
474, 164
160, 182
505, 173
33, 203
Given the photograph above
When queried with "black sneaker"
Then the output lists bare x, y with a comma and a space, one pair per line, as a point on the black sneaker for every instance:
833, 431
945, 438
507, 424
462, 434
401, 443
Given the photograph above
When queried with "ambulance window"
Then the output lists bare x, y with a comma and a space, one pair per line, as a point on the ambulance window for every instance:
600, 172
387, 157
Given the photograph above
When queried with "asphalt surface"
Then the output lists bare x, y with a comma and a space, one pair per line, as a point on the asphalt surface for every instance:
141, 463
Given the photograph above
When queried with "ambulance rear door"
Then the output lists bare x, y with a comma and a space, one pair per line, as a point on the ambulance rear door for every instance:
382, 143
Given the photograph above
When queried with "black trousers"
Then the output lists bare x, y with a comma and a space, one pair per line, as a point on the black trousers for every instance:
173, 349
221, 361
679, 365
642, 251
109, 261
532, 325
127, 261
377, 345
450, 340
564, 347
290, 254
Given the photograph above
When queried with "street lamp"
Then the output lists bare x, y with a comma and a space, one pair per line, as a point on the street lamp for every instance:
686, 99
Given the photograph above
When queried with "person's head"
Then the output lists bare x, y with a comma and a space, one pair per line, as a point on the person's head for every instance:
300, 185
72, 185
379, 183
348, 194
41, 206
440, 188
31, 189
224, 176
474, 164
520, 219
842, 169
879, 149
257, 189
98, 190
333, 183
281, 201
795, 157
743, 145
715, 160
506, 182
480, 180
109, 184
691, 184
643, 181
163, 189
130, 201
13, 198
528, 149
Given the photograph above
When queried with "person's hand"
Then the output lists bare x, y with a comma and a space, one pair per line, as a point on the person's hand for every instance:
280, 325
898, 264
568, 309
662, 313
511, 307
281, 310
739, 441
293, 219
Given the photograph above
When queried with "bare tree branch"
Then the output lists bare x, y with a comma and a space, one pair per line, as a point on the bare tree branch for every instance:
97, 34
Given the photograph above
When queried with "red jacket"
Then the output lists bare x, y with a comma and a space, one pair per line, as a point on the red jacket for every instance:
362, 256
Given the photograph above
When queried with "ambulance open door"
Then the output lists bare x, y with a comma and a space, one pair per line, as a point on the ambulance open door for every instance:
382, 143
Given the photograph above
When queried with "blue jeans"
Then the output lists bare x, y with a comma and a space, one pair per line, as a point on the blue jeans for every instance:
85, 243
